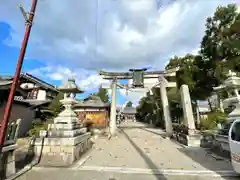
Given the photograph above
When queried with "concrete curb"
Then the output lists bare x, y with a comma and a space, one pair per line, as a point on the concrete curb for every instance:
174, 172
22, 171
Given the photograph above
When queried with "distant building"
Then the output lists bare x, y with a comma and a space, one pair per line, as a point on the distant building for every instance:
93, 110
129, 113
32, 96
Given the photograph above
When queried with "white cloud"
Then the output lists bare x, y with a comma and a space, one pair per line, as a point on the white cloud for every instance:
77, 37
133, 95
129, 33
86, 80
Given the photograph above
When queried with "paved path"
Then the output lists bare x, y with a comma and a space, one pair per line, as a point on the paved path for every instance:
140, 153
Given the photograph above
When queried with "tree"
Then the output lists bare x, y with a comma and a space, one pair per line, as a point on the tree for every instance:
218, 44
129, 104
103, 94
193, 73
231, 38
56, 106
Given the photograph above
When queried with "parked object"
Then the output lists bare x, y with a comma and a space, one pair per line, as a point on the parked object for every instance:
234, 143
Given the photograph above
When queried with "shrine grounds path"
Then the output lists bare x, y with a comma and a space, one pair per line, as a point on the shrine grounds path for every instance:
140, 153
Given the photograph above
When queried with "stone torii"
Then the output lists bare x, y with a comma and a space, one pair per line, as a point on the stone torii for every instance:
162, 82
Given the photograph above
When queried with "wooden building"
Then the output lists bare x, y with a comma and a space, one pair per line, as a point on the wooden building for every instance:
129, 114
31, 98
93, 110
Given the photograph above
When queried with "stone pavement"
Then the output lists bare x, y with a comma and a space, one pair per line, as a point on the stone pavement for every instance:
139, 153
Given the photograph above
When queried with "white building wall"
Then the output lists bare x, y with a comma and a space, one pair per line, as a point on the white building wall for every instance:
42, 95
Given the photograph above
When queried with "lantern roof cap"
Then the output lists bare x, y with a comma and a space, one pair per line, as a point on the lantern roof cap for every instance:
70, 86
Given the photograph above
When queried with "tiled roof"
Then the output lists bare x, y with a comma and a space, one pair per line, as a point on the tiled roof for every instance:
129, 110
7, 80
92, 101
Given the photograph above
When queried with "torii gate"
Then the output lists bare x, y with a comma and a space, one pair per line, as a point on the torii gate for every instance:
158, 76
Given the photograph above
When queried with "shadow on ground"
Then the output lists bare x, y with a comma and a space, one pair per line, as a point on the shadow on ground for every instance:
25, 156
148, 161
208, 160
204, 157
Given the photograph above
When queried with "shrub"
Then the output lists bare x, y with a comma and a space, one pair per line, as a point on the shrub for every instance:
180, 128
89, 125
34, 131
213, 118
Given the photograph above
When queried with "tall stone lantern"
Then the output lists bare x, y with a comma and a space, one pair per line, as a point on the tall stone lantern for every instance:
232, 87
65, 140
68, 115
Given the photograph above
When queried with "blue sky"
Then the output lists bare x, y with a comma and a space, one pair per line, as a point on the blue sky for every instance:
78, 38
9, 56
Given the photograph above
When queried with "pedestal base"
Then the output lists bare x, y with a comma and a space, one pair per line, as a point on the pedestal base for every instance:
61, 152
189, 140
194, 140
7, 161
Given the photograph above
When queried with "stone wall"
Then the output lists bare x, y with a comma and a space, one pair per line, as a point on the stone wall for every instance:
7, 161
61, 152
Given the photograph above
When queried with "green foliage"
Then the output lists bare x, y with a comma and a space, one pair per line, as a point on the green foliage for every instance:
150, 108
103, 94
219, 52
220, 48
56, 106
180, 128
213, 118
35, 129
220, 42
129, 104
89, 125
212, 47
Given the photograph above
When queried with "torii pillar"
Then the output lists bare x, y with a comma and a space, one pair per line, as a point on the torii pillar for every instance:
166, 112
113, 122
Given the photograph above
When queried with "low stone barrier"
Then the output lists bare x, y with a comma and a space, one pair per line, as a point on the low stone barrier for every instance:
185, 136
7, 158
217, 143
61, 152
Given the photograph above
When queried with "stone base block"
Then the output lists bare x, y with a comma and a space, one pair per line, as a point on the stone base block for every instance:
7, 161
194, 141
58, 141
64, 126
61, 154
191, 141
62, 133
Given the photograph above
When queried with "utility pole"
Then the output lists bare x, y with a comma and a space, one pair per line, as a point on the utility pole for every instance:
29, 20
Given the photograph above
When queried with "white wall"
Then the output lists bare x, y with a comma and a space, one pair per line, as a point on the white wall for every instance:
42, 95
23, 112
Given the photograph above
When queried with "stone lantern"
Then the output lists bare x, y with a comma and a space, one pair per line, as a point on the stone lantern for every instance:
65, 140
68, 115
70, 88
232, 87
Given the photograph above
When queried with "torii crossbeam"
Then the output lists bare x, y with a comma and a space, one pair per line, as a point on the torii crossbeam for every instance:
114, 76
